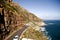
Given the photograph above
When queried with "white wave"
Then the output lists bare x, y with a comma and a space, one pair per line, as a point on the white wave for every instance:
45, 33
45, 24
50, 23
42, 28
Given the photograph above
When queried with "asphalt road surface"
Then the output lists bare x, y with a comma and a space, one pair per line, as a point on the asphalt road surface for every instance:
19, 32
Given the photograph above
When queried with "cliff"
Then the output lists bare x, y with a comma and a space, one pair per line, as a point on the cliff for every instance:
13, 16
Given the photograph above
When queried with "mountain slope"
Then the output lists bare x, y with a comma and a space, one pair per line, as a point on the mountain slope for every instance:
12, 17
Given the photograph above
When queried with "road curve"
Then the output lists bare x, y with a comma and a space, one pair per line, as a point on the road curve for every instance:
19, 32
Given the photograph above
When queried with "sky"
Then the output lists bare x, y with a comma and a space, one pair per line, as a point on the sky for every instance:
44, 9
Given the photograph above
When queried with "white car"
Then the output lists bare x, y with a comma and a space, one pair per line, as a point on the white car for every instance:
16, 37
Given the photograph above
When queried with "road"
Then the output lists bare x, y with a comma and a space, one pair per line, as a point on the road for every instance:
19, 32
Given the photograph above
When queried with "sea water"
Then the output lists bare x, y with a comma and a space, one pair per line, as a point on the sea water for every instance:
52, 29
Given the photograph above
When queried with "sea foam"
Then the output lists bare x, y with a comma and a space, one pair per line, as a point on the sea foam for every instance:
45, 33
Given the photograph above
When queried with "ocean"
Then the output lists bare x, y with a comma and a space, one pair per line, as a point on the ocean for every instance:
53, 29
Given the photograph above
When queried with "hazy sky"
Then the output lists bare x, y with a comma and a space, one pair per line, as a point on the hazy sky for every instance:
44, 9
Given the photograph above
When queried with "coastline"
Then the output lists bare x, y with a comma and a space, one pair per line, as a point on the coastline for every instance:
37, 28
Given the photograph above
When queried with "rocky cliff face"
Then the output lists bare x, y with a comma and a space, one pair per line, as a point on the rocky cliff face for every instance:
9, 21
12, 16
